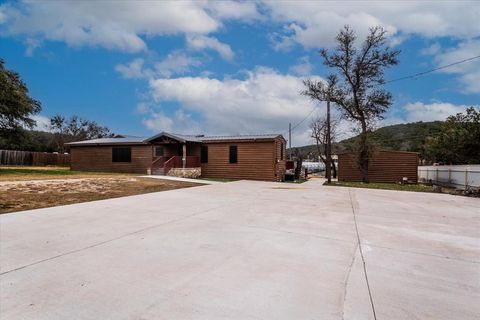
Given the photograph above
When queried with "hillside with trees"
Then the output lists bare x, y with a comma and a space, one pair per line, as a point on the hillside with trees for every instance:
405, 137
453, 141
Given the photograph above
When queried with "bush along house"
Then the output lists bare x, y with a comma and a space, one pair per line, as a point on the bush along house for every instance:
253, 157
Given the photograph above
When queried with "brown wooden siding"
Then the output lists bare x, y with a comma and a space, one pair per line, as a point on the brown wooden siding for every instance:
256, 161
384, 166
99, 158
280, 165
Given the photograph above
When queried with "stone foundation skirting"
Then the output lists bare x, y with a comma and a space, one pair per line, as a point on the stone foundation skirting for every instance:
192, 173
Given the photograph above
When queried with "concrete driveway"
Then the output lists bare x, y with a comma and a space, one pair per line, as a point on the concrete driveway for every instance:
245, 250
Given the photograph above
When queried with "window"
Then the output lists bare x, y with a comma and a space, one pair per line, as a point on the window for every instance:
281, 151
233, 154
203, 154
122, 154
158, 151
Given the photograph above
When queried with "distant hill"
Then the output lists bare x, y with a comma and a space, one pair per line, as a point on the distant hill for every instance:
403, 137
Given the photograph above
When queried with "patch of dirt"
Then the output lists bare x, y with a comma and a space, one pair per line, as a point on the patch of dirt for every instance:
25, 195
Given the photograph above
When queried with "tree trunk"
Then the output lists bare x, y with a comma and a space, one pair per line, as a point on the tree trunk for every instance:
364, 153
334, 170
298, 168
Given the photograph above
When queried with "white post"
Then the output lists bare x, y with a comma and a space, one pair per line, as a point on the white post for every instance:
466, 178
184, 157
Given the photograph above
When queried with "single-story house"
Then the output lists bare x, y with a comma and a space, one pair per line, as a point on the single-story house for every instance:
384, 166
255, 157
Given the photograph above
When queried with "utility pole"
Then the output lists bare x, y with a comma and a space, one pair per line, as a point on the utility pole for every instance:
289, 141
328, 169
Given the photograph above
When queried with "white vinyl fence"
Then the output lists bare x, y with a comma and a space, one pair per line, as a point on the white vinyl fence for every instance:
460, 176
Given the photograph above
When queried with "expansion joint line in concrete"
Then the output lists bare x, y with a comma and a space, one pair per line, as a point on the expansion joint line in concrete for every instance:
347, 278
361, 255
109, 240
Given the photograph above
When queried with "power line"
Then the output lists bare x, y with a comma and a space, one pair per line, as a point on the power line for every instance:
415, 75
303, 120
431, 70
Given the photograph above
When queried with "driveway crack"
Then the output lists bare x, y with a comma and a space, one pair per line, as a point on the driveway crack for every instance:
110, 240
361, 255
347, 278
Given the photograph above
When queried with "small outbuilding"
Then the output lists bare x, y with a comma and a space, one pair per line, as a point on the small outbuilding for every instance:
384, 166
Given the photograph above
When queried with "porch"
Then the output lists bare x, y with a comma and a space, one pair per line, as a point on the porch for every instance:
171, 152
162, 165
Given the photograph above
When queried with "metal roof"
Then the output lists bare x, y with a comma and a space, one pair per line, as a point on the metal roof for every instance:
179, 137
175, 136
129, 140
242, 137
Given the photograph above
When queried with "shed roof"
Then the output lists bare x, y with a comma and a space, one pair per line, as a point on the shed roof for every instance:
379, 150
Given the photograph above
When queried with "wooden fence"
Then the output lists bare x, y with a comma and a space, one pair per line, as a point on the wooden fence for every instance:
29, 158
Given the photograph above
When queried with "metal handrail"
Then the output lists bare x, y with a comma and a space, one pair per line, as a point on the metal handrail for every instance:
169, 164
154, 162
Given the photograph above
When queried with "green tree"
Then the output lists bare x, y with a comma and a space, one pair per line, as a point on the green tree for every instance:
458, 141
16, 107
75, 129
355, 85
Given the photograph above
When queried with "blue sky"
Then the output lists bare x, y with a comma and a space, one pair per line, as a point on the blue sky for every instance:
228, 67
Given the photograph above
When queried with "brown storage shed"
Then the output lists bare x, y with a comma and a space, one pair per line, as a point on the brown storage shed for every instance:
384, 166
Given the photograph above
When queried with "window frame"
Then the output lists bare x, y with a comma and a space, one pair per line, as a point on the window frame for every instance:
233, 154
203, 154
158, 147
118, 157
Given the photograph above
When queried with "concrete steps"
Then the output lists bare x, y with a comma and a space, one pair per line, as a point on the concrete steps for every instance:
158, 171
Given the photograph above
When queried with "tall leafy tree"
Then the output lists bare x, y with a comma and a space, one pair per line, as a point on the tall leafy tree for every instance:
16, 105
458, 141
75, 129
355, 84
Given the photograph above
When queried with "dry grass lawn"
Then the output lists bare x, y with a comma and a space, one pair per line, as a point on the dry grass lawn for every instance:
21, 190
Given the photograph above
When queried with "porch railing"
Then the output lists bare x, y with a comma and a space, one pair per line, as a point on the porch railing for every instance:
192, 162
158, 162
168, 163
173, 162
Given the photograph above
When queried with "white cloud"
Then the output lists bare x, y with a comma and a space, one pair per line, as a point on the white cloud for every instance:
303, 68
199, 42
3, 13
418, 111
469, 72
431, 50
31, 44
264, 102
143, 108
42, 123
175, 63
240, 10
132, 70
314, 24
117, 25
159, 122
180, 122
